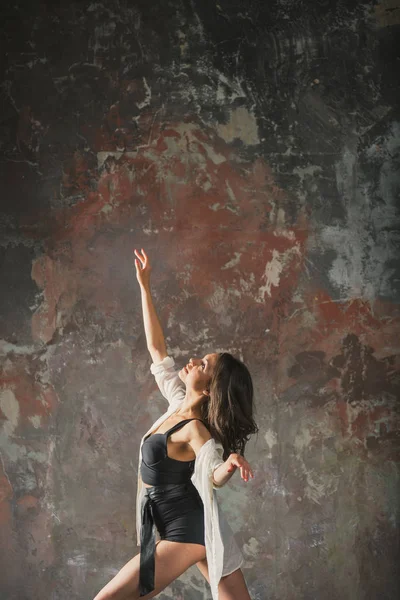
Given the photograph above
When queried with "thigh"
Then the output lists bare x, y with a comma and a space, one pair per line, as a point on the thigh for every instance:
171, 560
231, 587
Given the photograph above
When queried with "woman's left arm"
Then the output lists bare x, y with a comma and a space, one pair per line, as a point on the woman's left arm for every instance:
197, 435
224, 472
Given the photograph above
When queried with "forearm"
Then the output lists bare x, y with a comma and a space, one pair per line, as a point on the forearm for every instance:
221, 475
152, 327
225, 470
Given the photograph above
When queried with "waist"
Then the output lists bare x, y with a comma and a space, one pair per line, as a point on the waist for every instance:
166, 472
171, 490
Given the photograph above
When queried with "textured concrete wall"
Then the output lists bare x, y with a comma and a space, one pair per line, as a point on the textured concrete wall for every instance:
252, 148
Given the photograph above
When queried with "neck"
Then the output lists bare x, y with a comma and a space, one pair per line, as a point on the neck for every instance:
191, 406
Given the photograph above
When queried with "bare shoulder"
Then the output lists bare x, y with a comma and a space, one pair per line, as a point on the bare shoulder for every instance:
198, 435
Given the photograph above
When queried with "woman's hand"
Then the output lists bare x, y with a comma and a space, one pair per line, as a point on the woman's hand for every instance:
143, 268
238, 461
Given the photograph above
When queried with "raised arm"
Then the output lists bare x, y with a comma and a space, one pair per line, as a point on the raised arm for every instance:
154, 334
163, 367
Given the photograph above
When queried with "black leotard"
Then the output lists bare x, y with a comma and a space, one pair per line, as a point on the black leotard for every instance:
157, 468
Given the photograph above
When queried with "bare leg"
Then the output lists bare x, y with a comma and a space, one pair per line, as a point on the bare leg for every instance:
171, 560
231, 587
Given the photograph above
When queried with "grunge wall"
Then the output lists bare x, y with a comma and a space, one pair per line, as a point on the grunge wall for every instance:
252, 148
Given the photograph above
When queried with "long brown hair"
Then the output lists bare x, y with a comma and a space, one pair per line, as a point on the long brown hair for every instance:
229, 410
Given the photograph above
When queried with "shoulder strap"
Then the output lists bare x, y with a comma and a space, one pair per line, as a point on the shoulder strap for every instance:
181, 424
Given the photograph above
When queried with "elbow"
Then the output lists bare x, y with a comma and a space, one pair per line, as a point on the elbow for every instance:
157, 354
215, 485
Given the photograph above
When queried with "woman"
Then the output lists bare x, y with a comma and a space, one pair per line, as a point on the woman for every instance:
210, 400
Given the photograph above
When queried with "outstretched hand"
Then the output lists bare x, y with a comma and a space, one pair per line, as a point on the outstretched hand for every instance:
143, 268
238, 461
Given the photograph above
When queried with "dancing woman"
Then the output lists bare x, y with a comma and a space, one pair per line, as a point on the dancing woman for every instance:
193, 448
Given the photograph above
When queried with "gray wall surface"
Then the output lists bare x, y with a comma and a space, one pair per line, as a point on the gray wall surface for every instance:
252, 149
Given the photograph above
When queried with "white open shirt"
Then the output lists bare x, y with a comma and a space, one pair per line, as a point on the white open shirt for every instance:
222, 552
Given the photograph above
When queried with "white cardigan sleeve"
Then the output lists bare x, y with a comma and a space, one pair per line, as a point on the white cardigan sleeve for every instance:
167, 378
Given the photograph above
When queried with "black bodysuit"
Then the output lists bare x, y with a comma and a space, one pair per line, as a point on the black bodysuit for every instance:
157, 468
172, 504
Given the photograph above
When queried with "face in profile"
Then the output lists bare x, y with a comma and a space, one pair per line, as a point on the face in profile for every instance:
198, 372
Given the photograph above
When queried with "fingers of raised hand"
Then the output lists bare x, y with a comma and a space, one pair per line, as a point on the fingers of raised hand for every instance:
142, 258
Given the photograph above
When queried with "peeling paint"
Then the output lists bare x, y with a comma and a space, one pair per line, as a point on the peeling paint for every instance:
241, 125
258, 163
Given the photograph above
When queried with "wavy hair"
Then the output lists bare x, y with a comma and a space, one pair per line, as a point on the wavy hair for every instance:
229, 410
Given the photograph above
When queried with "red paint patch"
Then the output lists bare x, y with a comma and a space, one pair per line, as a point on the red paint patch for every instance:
187, 200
